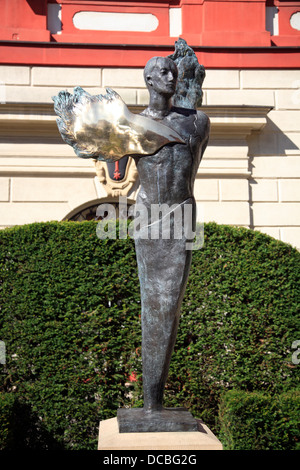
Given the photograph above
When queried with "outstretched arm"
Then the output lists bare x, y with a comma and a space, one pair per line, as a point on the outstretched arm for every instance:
103, 128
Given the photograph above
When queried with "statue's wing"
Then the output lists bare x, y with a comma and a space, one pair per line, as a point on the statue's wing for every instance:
102, 127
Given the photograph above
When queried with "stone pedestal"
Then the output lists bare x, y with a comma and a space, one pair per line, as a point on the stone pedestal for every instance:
111, 439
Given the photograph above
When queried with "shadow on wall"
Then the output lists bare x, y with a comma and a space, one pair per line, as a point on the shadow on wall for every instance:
271, 141
37, 7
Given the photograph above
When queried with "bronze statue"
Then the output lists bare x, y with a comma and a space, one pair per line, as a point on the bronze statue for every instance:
167, 175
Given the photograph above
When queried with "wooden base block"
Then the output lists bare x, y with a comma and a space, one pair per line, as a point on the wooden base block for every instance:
111, 439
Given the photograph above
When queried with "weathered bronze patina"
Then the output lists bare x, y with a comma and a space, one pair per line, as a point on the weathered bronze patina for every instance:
167, 143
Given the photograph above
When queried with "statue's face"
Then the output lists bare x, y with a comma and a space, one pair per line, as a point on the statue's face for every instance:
163, 77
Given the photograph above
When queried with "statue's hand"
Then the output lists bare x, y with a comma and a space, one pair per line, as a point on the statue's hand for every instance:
102, 126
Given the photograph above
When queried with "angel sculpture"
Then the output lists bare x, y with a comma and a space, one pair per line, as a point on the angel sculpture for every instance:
167, 144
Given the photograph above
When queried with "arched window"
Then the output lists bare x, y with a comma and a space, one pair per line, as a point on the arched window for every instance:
90, 212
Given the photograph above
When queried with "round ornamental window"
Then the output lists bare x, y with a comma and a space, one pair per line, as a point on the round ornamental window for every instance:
295, 21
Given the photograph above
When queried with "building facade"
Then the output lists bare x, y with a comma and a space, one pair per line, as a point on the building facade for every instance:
250, 173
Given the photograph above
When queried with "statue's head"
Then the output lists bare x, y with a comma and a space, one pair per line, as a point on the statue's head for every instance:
160, 75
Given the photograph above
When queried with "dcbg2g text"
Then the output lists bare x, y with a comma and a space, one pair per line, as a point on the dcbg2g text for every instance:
165, 459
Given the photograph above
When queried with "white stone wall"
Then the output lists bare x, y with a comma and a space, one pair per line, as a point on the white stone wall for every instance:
248, 178
274, 156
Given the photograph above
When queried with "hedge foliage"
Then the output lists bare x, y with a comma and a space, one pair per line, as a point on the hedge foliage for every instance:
70, 320
260, 421
6, 431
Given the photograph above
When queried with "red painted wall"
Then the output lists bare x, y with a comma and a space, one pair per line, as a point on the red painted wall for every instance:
24, 20
223, 33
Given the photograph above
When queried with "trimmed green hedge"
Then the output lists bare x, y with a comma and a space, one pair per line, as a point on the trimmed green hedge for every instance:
260, 421
6, 420
70, 320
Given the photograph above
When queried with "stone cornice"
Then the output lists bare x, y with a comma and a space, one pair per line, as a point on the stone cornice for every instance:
35, 119
30, 143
